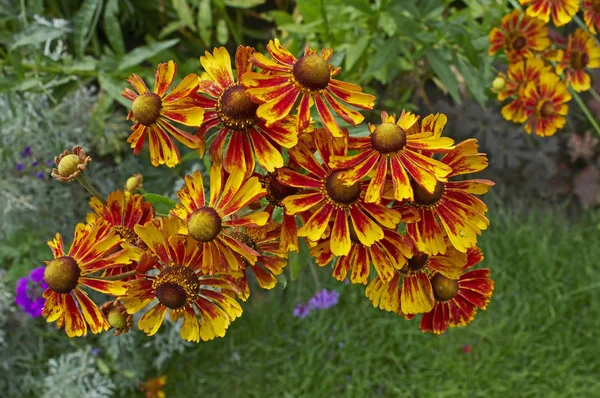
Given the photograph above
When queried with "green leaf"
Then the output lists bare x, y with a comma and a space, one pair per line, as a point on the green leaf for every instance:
472, 79
99, 111
386, 53
444, 73
356, 50
282, 280
387, 23
205, 21
244, 3
184, 12
222, 32
170, 28
362, 5
161, 204
36, 34
310, 9
142, 53
112, 28
298, 260
84, 24
113, 88
102, 366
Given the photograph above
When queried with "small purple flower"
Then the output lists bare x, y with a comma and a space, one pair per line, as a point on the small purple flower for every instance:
324, 299
26, 152
20, 167
34, 163
29, 292
40, 175
301, 311
49, 162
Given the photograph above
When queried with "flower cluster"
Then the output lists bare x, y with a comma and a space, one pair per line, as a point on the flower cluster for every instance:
392, 197
543, 66
324, 299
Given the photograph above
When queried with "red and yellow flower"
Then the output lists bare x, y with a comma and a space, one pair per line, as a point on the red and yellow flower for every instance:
591, 14
457, 300
545, 105
520, 36
207, 222
452, 209
562, 11
394, 148
582, 52
228, 108
284, 78
153, 387
152, 110
327, 198
170, 275
95, 248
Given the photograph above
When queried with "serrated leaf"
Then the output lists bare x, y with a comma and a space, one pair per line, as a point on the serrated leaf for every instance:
161, 204
244, 3
113, 88
112, 28
184, 12
84, 24
298, 260
443, 72
142, 53
222, 32
387, 23
205, 21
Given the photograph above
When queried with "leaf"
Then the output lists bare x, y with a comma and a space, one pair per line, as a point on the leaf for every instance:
385, 54
472, 79
161, 204
362, 5
298, 260
282, 280
310, 10
222, 32
140, 54
244, 3
36, 34
99, 111
444, 73
205, 21
387, 23
184, 12
113, 88
112, 28
84, 24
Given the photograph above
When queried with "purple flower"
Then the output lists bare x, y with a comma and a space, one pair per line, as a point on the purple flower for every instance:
301, 311
29, 292
20, 167
34, 163
40, 175
49, 162
324, 299
26, 152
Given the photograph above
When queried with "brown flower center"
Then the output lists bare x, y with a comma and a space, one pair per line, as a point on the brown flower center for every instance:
444, 288
596, 5
547, 109
126, 233
422, 198
204, 224
62, 274
235, 109
579, 60
176, 286
417, 263
146, 108
339, 193
519, 43
388, 137
312, 72
276, 191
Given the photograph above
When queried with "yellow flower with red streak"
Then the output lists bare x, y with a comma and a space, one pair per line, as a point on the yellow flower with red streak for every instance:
520, 36
95, 248
153, 387
457, 300
285, 78
591, 14
229, 108
170, 275
519, 74
394, 148
545, 105
453, 209
329, 199
582, 52
207, 222
562, 11
152, 112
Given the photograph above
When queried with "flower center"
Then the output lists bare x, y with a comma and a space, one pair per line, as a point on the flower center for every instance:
235, 109
444, 288
422, 198
126, 233
176, 286
68, 165
388, 137
116, 318
596, 5
547, 109
204, 224
146, 108
417, 263
579, 60
338, 192
62, 274
312, 72
276, 191
519, 43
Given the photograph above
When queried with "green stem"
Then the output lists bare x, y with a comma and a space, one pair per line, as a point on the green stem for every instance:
118, 277
595, 95
84, 183
313, 271
585, 110
515, 4
325, 20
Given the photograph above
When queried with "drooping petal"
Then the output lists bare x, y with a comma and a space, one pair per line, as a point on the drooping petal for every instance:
150, 322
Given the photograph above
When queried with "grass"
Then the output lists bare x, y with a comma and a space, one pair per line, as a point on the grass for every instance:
537, 338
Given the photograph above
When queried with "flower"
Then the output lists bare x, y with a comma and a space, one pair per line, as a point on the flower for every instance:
70, 164
134, 183
152, 111
208, 222
29, 292
329, 199
170, 275
456, 301
230, 109
285, 77
301, 310
26, 152
117, 316
545, 105
562, 11
324, 299
153, 387
453, 208
591, 14
95, 248
20, 167
520, 36
582, 52
393, 148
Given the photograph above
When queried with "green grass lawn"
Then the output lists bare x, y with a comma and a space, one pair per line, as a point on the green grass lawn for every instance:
538, 337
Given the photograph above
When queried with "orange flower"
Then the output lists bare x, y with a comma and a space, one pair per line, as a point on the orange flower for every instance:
208, 221
95, 248
453, 208
545, 105
153, 110
582, 52
562, 11
591, 14
230, 109
520, 36
153, 387
456, 301
394, 147
285, 77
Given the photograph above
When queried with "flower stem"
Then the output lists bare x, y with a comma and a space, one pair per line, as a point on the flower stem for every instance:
585, 110
84, 183
118, 277
595, 95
